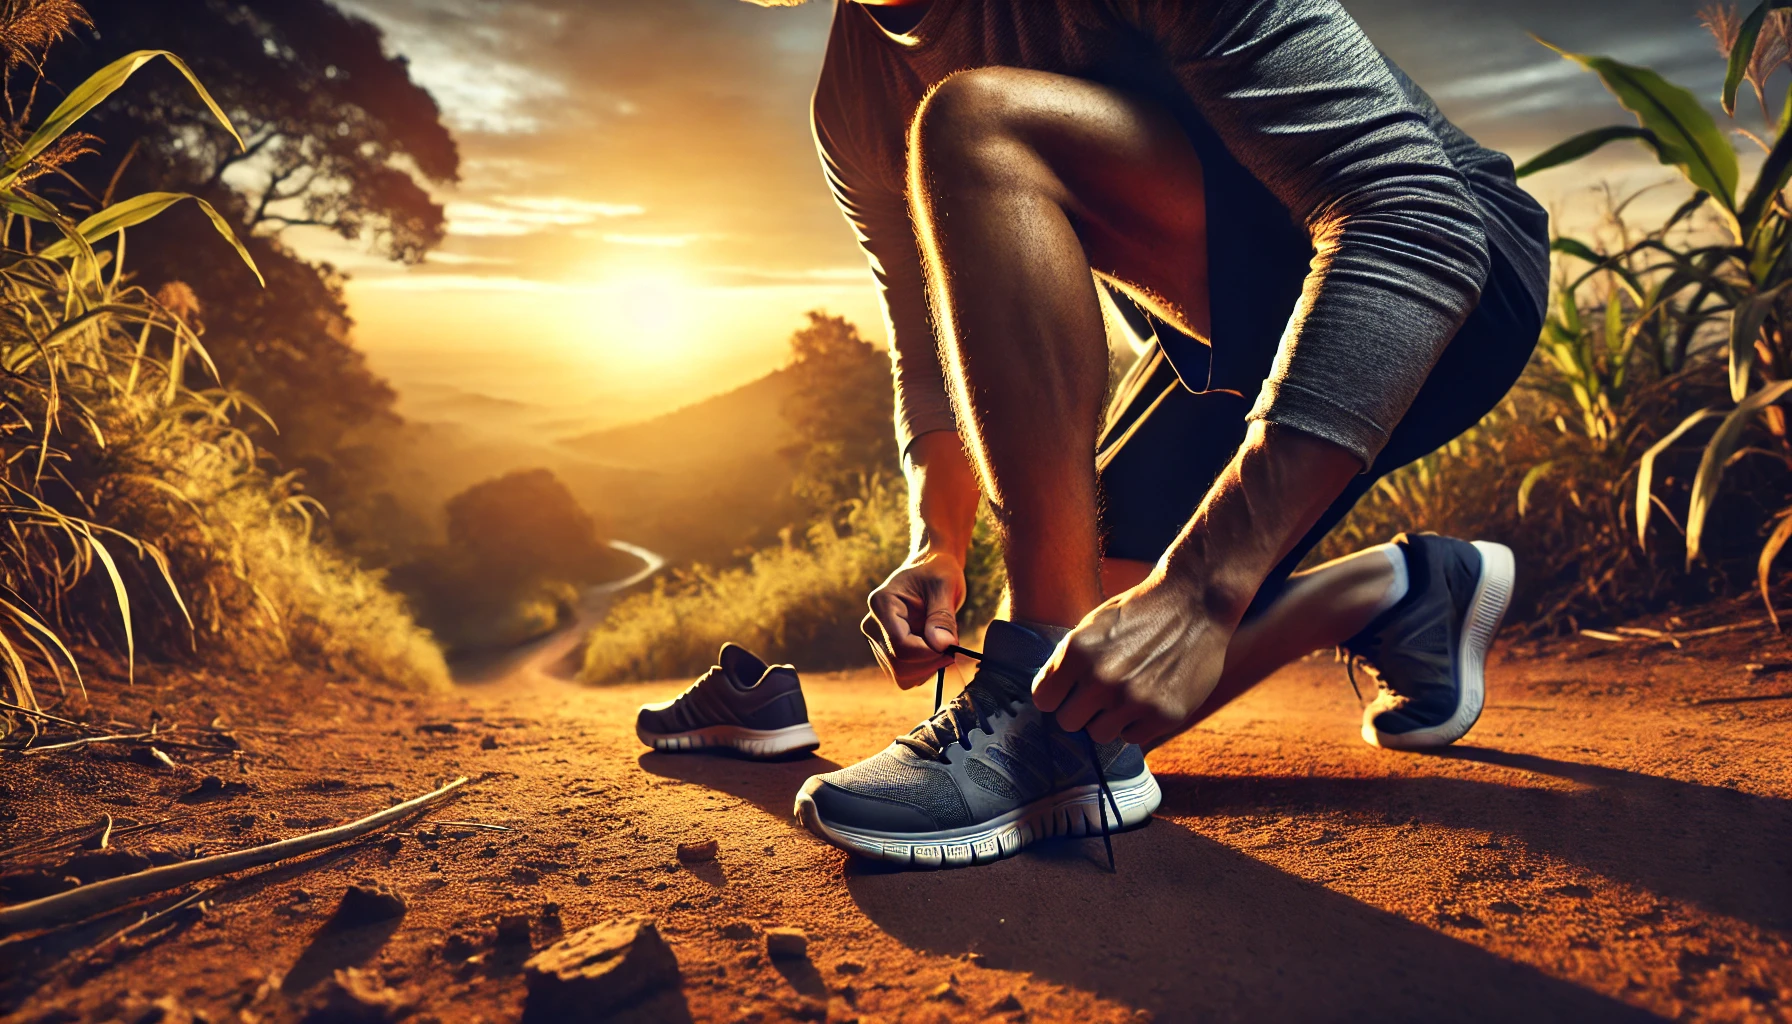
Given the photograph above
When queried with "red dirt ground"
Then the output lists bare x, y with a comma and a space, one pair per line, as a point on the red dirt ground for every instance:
1613, 841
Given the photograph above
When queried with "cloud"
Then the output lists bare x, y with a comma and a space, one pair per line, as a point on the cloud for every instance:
514, 217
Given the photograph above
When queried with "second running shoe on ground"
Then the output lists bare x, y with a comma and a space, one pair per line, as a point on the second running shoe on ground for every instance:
984, 777
1429, 651
741, 703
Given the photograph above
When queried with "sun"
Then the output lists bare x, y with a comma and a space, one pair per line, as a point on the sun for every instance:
652, 315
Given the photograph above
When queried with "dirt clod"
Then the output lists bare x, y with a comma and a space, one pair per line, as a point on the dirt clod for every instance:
355, 997
1009, 1003
367, 903
849, 967
213, 787
693, 853
595, 970
945, 992
98, 865
786, 943
439, 728
490, 742
738, 930
514, 930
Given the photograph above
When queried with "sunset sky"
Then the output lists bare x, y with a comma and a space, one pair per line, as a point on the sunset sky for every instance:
642, 221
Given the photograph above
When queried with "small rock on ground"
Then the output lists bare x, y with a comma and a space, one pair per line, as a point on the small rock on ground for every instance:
367, 903
786, 943
355, 997
692, 853
592, 972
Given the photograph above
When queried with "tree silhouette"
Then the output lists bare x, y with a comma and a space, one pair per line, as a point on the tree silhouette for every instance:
338, 135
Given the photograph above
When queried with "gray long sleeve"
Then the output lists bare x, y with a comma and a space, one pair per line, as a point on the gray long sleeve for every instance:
1299, 97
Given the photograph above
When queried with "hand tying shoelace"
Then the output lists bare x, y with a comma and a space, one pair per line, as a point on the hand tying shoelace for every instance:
959, 729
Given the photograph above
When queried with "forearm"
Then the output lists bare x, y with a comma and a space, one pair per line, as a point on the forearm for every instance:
1271, 494
943, 495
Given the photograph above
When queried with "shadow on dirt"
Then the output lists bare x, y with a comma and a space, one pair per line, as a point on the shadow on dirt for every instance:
333, 948
769, 785
1192, 929
1723, 850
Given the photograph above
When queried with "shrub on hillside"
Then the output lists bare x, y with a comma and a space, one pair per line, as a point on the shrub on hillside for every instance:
519, 548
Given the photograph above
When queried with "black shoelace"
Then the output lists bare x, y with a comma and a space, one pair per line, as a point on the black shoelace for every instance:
1101, 776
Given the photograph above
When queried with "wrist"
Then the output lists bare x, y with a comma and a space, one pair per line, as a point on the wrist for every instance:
1221, 591
943, 496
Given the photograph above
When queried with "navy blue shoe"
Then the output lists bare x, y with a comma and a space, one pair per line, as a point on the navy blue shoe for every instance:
741, 703
1429, 651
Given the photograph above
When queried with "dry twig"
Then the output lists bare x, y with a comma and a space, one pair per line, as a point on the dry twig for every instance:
88, 900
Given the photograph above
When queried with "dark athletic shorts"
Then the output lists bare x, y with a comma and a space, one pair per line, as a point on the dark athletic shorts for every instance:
1167, 441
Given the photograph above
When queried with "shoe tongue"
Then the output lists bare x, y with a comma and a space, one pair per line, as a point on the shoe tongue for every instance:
1012, 655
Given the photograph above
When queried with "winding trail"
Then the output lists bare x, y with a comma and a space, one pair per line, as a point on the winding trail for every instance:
548, 657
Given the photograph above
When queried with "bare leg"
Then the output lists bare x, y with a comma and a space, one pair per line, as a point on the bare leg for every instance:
1024, 185
1319, 608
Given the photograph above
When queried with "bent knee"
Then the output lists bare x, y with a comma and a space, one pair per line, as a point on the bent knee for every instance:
970, 129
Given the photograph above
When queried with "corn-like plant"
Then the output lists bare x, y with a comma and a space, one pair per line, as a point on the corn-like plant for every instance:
1729, 285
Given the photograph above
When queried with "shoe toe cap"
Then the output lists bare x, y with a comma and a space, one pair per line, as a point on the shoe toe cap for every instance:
841, 808
656, 718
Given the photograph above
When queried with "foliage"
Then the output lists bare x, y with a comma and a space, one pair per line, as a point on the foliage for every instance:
799, 602
802, 599
840, 408
339, 137
519, 547
136, 514
1679, 292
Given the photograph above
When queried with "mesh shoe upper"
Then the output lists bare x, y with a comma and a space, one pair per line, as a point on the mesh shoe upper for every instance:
1411, 648
988, 751
739, 690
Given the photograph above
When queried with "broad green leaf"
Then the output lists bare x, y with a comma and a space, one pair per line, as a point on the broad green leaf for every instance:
1577, 248
92, 93
1614, 328
136, 210
1776, 541
1645, 471
1746, 321
1717, 455
1686, 134
1536, 473
1744, 49
1772, 177
1587, 142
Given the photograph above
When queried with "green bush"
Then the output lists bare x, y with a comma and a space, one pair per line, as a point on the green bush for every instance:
800, 602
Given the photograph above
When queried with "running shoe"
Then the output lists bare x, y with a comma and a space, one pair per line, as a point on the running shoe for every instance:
1428, 652
740, 703
986, 775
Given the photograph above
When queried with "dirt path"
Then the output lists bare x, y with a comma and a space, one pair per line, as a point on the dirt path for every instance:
1613, 841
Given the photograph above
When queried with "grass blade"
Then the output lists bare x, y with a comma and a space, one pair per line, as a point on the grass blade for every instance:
1645, 470
91, 93
1717, 455
138, 209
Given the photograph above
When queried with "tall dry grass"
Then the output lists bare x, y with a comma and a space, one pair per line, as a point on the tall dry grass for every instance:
136, 515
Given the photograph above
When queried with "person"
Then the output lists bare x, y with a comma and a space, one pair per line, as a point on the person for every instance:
1335, 281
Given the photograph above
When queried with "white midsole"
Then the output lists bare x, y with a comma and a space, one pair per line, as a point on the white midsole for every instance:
1069, 812
1493, 593
757, 742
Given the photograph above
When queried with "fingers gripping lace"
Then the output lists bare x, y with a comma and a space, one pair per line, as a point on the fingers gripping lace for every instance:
951, 720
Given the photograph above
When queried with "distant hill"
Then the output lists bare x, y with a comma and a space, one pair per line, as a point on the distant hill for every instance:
746, 423
703, 481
